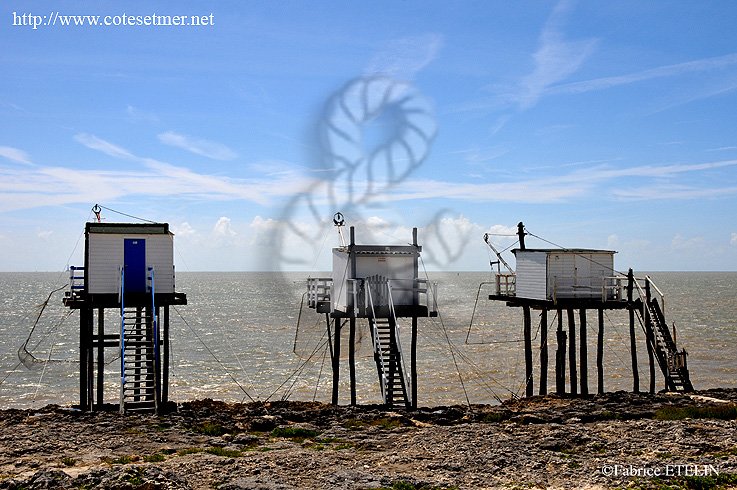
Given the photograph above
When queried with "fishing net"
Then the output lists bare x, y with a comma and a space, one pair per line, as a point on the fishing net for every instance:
41, 336
26, 356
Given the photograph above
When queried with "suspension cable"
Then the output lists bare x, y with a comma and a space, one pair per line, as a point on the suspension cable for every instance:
213, 354
319, 374
454, 350
297, 372
566, 249
126, 214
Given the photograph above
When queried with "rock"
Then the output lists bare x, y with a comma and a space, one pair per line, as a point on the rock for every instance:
244, 439
265, 423
551, 441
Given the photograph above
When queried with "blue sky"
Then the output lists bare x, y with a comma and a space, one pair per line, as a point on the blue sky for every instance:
599, 124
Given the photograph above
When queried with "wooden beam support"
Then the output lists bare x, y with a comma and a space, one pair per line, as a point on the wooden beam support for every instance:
100, 357
544, 352
560, 357
529, 391
572, 351
650, 341
336, 360
600, 354
413, 363
633, 339
165, 373
352, 358
583, 353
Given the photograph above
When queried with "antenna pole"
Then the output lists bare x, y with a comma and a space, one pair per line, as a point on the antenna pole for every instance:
521, 233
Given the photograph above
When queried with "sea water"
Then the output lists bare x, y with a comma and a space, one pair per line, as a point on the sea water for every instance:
238, 339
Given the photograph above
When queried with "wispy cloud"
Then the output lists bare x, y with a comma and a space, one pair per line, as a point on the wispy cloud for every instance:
202, 147
137, 115
94, 143
722, 148
402, 58
672, 191
14, 154
603, 180
38, 186
686, 244
644, 75
555, 59
477, 155
44, 234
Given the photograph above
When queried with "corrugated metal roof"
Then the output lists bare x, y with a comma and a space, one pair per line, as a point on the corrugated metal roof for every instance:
381, 249
129, 228
564, 250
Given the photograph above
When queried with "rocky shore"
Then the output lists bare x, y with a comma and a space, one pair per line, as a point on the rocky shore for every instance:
616, 440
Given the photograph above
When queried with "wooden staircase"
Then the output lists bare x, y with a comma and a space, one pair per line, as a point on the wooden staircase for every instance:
387, 349
672, 362
389, 363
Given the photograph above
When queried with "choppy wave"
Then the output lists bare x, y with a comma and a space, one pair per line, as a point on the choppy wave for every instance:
248, 320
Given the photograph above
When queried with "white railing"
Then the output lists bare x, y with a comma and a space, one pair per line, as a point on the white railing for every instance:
649, 280
575, 287
506, 284
397, 336
121, 292
377, 344
155, 325
614, 288
318, 290
421, 291
354, 288
76, 282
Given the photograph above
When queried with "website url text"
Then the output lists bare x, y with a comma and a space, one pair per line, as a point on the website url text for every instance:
152, 20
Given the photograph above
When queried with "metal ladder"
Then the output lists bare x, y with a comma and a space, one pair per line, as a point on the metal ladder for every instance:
138, 353
388, 353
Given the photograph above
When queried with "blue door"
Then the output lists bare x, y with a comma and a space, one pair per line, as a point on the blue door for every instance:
134, 257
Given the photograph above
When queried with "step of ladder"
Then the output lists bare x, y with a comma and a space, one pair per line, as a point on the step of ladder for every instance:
138, 390
390, 373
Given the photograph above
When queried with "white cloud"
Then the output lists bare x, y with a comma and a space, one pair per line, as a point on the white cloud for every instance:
477, 155
658, 72
94, 143
722, 148
446, 237
202, 147
693, 244
631, 245
402, 58
223, 228
263, 231
377, 222
137, 115
733, 239
14, 154
183, 230
569, 186
44, 234
259, 224
555, 58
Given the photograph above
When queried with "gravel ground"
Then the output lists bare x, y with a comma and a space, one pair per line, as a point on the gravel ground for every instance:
617, 440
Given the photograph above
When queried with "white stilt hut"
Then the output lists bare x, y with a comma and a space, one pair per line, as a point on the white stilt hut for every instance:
129, 268
381, 284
